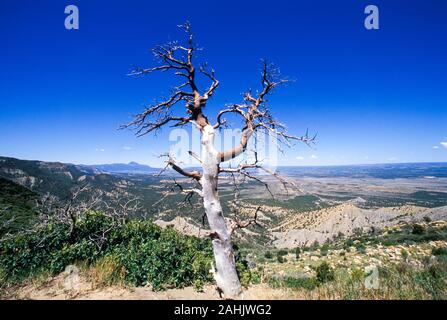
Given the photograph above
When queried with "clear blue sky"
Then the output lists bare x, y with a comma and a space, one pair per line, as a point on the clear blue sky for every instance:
373, 95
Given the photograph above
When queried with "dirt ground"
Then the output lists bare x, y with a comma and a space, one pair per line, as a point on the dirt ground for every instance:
74, 286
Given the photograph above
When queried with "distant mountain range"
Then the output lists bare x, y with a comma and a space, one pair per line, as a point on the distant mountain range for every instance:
127, 168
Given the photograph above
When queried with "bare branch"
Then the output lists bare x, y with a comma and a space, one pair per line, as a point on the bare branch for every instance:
195, 156
170, 162
232, 109
243, 169
257, 116
179, 60
237, 224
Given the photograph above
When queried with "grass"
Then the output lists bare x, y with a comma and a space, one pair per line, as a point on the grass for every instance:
417, 270
107, 271
400, 281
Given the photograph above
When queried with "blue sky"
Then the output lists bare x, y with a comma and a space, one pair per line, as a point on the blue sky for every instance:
373, 96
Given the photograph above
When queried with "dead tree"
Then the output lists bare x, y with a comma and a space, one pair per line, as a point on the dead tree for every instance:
121, 207
80, 201
178, 59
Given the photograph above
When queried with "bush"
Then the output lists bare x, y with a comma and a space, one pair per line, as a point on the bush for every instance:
293, 283
348, 244
433, 280
166, 260
418, 229
305, 283
324, 249
360, 247
268, 255
137, 253
297, 252
441, 251
281, 259
404, 254
357, 274
314, 246
246, 275
324, 272
281, 253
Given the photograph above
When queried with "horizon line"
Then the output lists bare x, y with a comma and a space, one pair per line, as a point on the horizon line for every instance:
303, 166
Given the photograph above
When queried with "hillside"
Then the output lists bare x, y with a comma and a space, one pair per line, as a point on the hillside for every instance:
16, 207
60, 179
346, 220
42, 177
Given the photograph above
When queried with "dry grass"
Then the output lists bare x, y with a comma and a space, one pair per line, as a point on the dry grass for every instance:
106, 272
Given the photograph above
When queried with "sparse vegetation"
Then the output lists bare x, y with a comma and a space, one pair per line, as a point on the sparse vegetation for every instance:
293, 283
297, 252
418, 229
360, 247
324, 249
324, 272
408, 269
441, 251
136, 253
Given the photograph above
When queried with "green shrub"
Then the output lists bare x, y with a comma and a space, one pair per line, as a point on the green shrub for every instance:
296, 283
314, 246
281, 259
348, 244
357, 274
433, 280
166, 260
246, 275
324, 272
293, 283
297, 252
138, 252
360, 247
418, 229
281, 253
440, 251
274, 282
404, 254
324, 249
268, 255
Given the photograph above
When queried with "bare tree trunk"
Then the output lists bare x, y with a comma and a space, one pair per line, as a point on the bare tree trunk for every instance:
225, 272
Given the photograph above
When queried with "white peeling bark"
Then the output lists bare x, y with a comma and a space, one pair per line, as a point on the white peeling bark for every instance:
225, 264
